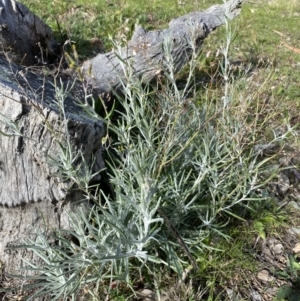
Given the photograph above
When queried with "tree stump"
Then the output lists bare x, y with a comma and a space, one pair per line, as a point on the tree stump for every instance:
32, 128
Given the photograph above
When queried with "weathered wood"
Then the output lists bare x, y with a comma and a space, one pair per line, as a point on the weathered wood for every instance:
28, 100
24, 37
31, 191
32, 194
147, 52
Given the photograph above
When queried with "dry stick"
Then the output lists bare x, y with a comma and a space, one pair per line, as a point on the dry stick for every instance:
297, 50
179, 239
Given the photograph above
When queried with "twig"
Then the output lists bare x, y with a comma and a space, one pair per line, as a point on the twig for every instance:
179, 239
297, 50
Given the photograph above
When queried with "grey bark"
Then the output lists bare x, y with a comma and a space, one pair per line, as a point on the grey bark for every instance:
28, 102
25, 37
32, 126
146, 54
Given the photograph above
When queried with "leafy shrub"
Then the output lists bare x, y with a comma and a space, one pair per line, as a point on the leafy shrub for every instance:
180, 165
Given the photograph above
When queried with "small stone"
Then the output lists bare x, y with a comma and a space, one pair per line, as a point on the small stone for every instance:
230, 293
297, 248
278, 249
272, 291
284, 161
255, 296
296, 158
265, 276
268, 256
146, 295
295, 230
295, 204
283, 184
282, 259
271, 242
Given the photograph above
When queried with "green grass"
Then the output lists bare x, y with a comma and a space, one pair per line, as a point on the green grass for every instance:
256, 43
81, 21
273, 86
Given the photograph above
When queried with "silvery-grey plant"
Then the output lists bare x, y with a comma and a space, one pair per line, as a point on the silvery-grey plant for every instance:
179, 170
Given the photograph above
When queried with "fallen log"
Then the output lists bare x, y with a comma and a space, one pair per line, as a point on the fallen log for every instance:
148, 52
